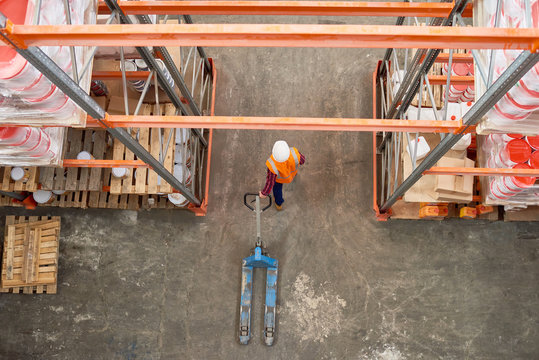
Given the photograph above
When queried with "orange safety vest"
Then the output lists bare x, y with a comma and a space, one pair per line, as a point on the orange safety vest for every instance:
286, 170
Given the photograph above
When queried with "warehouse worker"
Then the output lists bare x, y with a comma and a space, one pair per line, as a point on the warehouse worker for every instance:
282, 167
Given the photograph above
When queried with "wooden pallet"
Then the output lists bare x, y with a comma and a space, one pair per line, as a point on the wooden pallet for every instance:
7, 201
156, 202
145, 181
38, 289
30, 256
105, 200
77, 179
529, 214
9, 185
410, 210
74, 199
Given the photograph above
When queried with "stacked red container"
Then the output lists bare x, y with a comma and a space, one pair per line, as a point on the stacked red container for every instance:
25, 141
512, 151
523, 98
459, 93
31, 89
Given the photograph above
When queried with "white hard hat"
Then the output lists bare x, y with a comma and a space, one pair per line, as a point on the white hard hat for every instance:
281, 151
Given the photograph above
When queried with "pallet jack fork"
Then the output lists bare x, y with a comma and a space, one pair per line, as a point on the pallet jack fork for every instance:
258, 259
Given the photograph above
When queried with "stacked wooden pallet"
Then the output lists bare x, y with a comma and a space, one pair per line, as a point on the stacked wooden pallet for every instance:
29, 184
30, 256
102, 200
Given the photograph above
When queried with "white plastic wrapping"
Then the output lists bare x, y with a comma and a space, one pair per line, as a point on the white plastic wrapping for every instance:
27, 96
30, 146
518, 110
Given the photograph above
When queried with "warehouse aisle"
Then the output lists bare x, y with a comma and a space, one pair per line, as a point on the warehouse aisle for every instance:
165, 285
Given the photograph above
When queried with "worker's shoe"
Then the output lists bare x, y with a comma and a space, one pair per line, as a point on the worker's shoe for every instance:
278, 207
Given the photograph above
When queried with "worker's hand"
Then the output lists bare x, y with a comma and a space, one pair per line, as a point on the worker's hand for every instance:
262, 196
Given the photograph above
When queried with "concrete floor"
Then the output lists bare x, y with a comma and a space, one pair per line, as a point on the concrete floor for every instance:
165, 284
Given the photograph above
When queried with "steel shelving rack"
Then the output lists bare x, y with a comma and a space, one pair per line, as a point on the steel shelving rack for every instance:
25, 39
387, 146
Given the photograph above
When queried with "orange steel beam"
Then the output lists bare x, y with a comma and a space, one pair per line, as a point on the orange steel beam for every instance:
280, 123
457, 58
481, 171
104, 163
442, 80
309, 8
275, 35
143, 75
112, 75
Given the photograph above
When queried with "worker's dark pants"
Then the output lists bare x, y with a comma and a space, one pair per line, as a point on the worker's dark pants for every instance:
278, 193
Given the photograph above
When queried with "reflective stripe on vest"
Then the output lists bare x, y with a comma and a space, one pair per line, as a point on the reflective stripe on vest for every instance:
295, 156
274, 168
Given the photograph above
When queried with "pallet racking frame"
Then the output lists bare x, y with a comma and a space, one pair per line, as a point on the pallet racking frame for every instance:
25, 39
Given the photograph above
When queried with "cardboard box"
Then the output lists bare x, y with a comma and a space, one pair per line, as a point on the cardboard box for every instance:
423, 190
453, 187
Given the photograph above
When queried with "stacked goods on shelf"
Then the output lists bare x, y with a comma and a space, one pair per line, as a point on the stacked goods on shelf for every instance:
459, 93
454, 112
518, 110
30, 255
513, 117
511, 151
438, 188
28, 97
180, 150
123, 188
396, 77
183, 156
24, 145
19, 178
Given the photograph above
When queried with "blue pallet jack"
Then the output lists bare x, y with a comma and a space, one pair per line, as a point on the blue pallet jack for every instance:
258, 259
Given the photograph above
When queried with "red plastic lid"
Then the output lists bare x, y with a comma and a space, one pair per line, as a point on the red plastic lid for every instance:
7, 132
460, 88
519, 150
470, 69
10, 62
515, 136
460, 69
523, 181
533, 141
534, 160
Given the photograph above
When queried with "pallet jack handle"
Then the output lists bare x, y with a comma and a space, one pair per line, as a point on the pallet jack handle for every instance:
258, 211
257, 197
